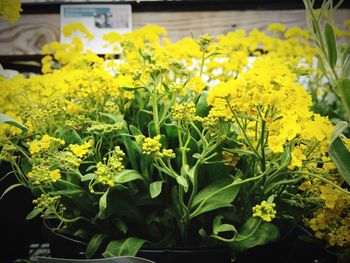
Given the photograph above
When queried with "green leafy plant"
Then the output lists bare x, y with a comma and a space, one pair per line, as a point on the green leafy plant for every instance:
172, 145
334, 62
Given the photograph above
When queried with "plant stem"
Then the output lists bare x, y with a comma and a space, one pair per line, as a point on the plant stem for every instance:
324, 180
155, 107
202, 63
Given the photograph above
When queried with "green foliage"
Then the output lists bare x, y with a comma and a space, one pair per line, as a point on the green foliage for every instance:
341, 157
216, 195
126, 247
331, 45
6, 119
255, 232
94, 244
151, 153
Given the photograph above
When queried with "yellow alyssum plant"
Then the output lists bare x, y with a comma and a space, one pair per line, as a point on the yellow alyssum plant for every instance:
10, 10
201, 142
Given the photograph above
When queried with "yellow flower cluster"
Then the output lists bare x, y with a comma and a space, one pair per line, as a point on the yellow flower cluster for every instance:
48, 204
196, 84
7, 152
45, 144
106, 172
41, 175
276, 27
266, 211
229, 158
80, 150
330, 225
68, 159
268, 91
152, 147
69, 29
115, 161
10, 10
184, 112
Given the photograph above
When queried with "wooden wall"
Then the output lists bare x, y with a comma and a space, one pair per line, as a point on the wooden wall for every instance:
32, 31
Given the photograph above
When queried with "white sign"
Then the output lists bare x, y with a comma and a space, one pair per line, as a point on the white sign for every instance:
99, 20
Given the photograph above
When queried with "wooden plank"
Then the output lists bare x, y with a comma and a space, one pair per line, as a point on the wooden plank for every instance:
33, 30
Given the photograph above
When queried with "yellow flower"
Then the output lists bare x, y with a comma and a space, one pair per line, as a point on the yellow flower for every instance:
69, 29
34, 147
266, 211
45, 143
196, 84
116, 159
10, 10
276, 27
296, 32
55, 175
276, 143
229, 158
169, 153
184, 112
104, 174
297, 158
151, 146
80, 150
112, 37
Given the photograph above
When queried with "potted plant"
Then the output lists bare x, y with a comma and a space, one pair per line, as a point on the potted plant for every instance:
201, 147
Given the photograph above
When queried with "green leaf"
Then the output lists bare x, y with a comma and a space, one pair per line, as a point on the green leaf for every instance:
344, 90
171, 130
127, 176
255, 232
345, 64
321, 64
340, 155
68, 192
35, 212
240, 152
152, 129
114, 117
218, 227
118, 201
3, 72
131, 150
134, 131
9, 189
338, 130
94, 244
88, 177
165, 86
216, 195
103, 205
122, 227
331, 45
131, 88
125, 247
162, 169
155, 188
183, 182
202, 107
6, 119
69, 135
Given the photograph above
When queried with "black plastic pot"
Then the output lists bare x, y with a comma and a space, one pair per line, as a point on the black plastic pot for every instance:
289, 248
62, 246
187, 255
16, 233
99, 260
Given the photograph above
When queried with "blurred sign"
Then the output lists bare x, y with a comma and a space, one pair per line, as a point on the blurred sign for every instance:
99, 20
